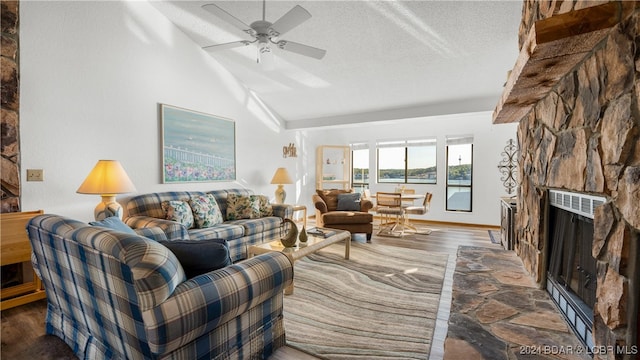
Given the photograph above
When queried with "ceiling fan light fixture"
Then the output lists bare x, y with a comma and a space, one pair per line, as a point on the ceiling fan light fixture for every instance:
264, 50
265, 32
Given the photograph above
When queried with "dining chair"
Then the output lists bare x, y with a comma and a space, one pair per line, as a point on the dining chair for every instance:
418, 210
390, 205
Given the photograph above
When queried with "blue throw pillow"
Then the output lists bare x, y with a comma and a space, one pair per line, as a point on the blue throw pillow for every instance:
200, 256
113, 223
348, 202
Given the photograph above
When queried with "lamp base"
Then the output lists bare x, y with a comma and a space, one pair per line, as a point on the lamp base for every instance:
107, 208
280, 194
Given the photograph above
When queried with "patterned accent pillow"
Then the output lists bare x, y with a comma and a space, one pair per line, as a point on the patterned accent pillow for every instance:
206, 212
264, 205
243, 207
180, 211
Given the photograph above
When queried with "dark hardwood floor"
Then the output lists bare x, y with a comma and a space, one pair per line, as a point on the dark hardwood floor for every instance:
22, 332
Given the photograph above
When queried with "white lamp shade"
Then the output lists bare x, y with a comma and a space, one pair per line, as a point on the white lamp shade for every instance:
281, 177
107, 178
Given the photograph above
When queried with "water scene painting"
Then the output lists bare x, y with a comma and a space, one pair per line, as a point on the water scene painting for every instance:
197, 147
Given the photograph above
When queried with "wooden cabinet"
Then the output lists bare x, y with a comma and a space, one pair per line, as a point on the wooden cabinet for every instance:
333, 167
15, 248
507, 223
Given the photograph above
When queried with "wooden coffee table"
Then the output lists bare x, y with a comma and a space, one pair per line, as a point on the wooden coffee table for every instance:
313, 244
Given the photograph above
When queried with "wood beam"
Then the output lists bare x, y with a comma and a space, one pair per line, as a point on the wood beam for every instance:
553, 48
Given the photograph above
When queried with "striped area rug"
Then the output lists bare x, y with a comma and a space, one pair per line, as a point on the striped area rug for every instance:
380, 304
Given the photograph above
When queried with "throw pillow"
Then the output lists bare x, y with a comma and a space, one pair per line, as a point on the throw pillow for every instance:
242, 207
113, 223
206, 212
178, 210
200, 256
348, 202
330, 197
264, 205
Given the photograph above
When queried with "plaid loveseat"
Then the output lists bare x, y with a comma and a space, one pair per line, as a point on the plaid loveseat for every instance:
112, 295
146, 211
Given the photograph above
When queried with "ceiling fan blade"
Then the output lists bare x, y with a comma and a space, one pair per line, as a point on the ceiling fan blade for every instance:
302, 49
222, 14
225, 46
290, 20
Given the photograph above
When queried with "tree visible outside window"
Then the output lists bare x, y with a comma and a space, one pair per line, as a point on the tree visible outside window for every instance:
360, 166
407, 161
459, 173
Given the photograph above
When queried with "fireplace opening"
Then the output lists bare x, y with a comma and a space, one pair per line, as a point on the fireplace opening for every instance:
571, 270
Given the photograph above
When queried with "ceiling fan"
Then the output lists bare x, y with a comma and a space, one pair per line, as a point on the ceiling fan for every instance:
266, 33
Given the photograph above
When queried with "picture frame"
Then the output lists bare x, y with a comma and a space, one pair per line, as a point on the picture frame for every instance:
196, 147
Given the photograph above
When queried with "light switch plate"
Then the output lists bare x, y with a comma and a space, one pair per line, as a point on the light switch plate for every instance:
35, 175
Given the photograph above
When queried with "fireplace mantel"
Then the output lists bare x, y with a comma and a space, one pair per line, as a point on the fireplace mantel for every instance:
553, 47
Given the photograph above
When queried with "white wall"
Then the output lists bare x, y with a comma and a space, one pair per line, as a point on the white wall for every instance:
489, 142
92, 75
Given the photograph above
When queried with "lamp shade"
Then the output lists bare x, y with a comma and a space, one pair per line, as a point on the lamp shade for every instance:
281, 177
107, 178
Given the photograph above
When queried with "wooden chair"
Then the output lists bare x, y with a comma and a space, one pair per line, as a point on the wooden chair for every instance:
388, 205
418, 210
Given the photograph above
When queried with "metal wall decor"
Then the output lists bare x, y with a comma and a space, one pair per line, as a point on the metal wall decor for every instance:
508, 166
289, 151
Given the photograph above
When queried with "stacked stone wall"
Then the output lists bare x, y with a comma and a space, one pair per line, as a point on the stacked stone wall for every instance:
10, 100
585, 137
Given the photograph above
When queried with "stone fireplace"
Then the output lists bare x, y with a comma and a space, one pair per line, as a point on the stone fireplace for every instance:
582, 136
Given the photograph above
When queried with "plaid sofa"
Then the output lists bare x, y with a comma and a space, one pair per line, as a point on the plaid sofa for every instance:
146, 211
112, 295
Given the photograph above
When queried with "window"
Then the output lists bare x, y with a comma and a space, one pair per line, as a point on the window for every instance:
407, 161
459, 173
360, 166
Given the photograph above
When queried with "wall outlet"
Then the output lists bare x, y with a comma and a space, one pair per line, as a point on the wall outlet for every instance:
35, 175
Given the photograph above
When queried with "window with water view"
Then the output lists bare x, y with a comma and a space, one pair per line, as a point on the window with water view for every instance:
409, 162
360, 166
459, 173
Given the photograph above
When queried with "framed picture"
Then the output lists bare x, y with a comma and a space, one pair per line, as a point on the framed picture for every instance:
196, 147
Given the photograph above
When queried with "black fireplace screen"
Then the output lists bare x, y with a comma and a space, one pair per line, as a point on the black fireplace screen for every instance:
571, 264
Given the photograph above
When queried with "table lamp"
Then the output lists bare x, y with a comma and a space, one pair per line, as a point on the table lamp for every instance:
280, 178
107, 179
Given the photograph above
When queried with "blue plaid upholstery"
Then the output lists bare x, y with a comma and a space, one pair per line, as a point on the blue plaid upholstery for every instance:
154, 233
146, 211
113, 295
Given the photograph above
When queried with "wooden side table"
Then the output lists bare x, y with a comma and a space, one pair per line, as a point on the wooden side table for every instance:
15, 248
302, 208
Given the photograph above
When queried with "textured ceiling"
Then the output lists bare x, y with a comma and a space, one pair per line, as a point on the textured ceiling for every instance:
385, 59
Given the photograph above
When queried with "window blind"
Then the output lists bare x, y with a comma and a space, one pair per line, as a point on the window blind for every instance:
459, 140
406, 143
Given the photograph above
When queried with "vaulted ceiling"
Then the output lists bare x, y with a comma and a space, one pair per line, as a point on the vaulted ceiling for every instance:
385, 60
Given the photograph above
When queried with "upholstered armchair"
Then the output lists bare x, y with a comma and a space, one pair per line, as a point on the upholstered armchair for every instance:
117, 295
344, 210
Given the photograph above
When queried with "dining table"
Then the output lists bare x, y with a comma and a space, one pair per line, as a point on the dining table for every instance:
407, 200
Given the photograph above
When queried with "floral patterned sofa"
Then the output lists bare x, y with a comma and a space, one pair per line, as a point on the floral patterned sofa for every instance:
236, 215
